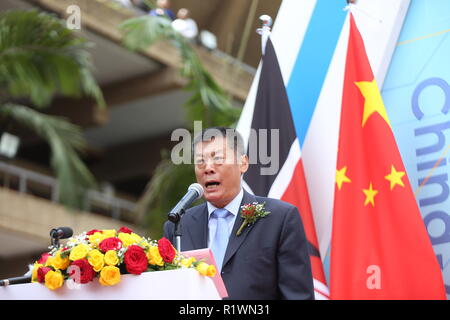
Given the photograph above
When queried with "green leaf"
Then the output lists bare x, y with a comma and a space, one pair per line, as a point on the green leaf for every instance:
142, 32
65, 140
207, 97
208, 103
41, 58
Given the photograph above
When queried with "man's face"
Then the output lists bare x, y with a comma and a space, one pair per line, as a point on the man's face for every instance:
182, 13
219, 171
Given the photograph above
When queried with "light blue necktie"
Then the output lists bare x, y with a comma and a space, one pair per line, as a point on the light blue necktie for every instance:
220, 241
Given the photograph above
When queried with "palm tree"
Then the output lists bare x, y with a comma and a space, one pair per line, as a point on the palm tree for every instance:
208, 104
39, 59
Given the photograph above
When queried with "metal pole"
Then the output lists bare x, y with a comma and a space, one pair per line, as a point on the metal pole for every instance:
177, 229
178, 235
246, 35
265, 30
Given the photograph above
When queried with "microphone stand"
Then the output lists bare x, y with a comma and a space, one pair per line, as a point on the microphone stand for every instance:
54, 238
15, 280
55, 242
176, 218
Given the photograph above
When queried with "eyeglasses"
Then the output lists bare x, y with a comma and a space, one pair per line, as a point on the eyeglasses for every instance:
218, 160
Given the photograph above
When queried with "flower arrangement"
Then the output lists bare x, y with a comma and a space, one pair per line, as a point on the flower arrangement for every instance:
106, 254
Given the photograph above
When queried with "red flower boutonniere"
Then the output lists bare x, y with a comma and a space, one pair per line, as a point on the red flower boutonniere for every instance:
250, 213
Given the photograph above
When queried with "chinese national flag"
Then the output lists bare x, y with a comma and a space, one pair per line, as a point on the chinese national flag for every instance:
380, 248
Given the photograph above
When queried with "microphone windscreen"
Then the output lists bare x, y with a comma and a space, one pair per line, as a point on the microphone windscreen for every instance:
61, 232
66, 232
198, 188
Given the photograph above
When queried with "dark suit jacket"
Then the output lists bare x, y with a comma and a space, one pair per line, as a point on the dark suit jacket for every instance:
269, 260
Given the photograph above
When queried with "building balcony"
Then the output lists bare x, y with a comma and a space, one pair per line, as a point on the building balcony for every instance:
145, 97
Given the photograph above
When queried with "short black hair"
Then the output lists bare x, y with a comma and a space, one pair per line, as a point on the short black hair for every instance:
234, 138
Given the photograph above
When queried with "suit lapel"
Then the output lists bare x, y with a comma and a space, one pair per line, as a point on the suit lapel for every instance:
196, 226
235, 241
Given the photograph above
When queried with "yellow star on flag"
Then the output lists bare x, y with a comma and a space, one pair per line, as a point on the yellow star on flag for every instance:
395, 178
341, 177
370, 195
373, 101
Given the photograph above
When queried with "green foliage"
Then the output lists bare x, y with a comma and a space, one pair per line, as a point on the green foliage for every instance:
208, 103
64, 139
168, 184
39, 59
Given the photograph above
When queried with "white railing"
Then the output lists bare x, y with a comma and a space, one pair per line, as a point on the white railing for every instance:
115, 205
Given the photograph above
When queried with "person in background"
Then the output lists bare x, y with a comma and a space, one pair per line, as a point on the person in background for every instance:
162, 10
125, 3
185, 25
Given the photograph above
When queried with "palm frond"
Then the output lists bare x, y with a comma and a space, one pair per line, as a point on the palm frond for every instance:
40, 57
65, 140
169, 183
207, 97
142, 32
208, 103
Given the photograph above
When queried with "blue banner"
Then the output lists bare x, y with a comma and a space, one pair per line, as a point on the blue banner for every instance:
416, 94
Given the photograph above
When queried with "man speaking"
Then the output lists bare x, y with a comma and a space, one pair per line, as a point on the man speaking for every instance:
264, 256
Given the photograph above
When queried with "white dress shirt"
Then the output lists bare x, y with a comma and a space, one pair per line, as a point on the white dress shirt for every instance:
233, 207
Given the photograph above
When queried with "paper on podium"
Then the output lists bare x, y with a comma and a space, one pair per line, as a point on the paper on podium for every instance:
207, 256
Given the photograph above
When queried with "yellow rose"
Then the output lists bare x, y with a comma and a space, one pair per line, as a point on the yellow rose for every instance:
49, 261
109, 276
109, 233
127, 239
58, 262
96, 238
54, 280
111, 258
96, 259
187, 262
36, 266
211, 272
145, 244
206, 270
136, 237
154, 258
79, 252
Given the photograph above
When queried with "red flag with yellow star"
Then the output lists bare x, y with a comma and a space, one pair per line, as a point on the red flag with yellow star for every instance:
380, 248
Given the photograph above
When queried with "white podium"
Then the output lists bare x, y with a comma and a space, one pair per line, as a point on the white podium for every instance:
182, 284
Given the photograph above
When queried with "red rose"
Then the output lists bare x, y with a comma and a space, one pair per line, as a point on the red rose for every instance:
44, 258
125, 230
135, 260
42, 271
249, 210
166, 250
93, 231
81, 271
110, 244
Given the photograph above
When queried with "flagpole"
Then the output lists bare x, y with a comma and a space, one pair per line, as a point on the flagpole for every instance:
352, 6
265, 30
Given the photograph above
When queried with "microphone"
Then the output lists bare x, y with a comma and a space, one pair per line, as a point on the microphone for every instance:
16, 280
195, 191
61, 233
